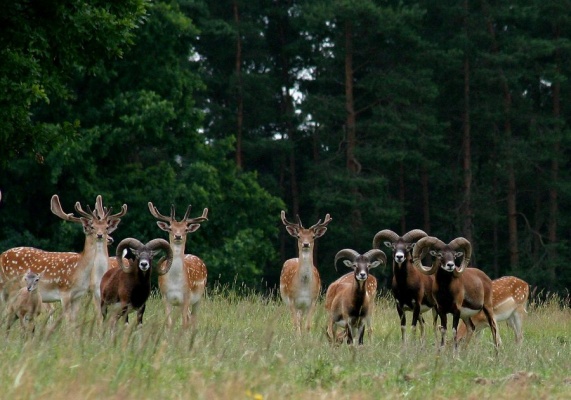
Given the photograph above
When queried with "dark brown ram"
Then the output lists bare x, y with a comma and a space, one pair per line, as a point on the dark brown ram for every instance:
411, 289
460, 291
129, 286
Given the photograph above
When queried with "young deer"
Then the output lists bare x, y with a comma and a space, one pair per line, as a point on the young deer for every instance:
185, 282
300, 283
26, 303
509, 296
68, 276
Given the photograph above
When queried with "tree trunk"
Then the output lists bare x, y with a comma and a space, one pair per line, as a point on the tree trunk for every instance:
554, 169
239, 88
510, 173
350, 125
467, 158
402, 198
425, 199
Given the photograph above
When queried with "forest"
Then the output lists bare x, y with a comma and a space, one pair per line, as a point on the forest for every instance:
449, 116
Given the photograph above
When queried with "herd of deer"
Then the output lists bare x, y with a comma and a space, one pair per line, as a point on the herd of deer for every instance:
66, 277
473, 299
30, 277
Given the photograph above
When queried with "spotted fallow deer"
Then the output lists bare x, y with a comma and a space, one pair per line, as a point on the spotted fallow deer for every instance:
67, 276
509, 298
185, 282
300, 283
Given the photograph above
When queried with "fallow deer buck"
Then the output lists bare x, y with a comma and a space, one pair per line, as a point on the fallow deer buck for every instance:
300, 283
67, 276
509, 298
185, 282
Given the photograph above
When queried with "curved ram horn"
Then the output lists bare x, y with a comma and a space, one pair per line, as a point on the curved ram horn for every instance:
128, 242
465, 245
386, 234
164, 263
376, 254
414, 235
421, 249
345, 253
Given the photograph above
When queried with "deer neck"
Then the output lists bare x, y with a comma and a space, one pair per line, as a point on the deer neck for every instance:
175, 271
306, 263
100, 265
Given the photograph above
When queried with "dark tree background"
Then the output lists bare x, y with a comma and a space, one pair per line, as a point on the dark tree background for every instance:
449, 116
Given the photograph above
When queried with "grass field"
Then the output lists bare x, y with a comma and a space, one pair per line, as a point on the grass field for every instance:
245, 348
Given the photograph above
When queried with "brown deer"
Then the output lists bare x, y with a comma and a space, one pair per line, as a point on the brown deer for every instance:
509, 297
300, 283
67, 276
26, 303
185, 282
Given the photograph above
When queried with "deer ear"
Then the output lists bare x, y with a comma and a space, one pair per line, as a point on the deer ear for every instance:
192, 228
375, 264
112, 225
458, 254
390, 245
320, 231
164, 226
348, 263
292, 231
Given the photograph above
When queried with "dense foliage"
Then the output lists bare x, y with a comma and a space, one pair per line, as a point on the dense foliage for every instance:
452, 117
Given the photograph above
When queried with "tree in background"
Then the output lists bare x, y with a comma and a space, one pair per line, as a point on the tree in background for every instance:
447, 116
44, 43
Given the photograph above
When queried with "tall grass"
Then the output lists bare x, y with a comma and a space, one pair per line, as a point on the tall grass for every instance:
246, 348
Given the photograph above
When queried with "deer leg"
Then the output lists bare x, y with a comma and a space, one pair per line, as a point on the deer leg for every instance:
193, 311
96, 300
402, 318
455, 322
415, 319
309, 316
361, 332
140, 313
493, 326
168, 311
515, 322
443, 324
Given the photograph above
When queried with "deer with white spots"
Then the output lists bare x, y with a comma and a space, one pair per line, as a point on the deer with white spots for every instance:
67, 276
509, 297
300, 283
185, 282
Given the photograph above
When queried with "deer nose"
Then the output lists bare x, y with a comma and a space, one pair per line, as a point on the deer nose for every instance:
362, 276
306, 244
99, 236
144, 265
178, 237
450, 265
399, 258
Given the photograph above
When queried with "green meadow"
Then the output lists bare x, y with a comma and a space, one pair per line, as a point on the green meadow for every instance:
245, 348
